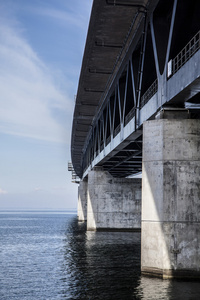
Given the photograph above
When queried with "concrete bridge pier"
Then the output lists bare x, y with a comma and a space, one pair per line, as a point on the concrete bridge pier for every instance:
171, 197
113, 203
82, 200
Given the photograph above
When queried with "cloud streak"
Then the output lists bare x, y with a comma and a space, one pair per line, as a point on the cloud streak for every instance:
3, 192
63, 17
64, 13
30, 98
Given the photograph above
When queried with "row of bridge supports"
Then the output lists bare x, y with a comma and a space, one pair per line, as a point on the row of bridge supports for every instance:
164, 205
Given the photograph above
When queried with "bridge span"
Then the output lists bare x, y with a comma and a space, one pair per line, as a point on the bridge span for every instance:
137, 111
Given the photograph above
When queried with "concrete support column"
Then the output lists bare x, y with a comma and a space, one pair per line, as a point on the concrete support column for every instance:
113, 203
82, 200
171, 198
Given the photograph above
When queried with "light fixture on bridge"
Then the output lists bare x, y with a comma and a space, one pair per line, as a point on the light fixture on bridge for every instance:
93, 91
100, 71
131, 3
102, 43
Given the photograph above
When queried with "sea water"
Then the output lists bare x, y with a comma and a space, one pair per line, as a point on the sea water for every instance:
50, 255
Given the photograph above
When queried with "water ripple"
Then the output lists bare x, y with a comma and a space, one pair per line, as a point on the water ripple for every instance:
52, 256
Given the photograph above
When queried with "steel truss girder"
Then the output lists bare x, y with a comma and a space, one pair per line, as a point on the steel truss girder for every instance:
112, 119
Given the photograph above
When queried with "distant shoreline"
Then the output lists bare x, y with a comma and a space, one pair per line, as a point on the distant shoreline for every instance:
52, 211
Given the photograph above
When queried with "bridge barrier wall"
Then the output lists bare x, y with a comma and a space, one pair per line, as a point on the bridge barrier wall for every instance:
113, 203
171, 198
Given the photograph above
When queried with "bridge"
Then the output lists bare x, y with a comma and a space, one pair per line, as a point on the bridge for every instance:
137, 111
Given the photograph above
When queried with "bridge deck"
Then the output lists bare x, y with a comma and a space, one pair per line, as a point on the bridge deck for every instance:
131, 68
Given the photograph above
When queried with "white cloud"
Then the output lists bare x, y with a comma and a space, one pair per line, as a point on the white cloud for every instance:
51, 189
38, 189
30, 99
65, 14
63, 17
3, 192
59, 188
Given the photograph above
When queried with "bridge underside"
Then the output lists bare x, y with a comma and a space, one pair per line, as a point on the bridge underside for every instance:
140, 57
138, 109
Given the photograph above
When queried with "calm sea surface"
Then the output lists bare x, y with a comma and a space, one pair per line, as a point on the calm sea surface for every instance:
51, 256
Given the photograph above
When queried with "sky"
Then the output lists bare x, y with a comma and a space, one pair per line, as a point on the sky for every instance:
41, 49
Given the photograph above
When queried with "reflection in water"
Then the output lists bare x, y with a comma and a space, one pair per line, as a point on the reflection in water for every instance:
158, 289
51, 256
106, 265
153, 289
103, 265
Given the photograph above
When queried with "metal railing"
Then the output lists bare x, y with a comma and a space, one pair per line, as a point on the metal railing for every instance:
129, 116
75, 178
117, 130
102, 146
144, 99
185, 54
108, 140
149, 93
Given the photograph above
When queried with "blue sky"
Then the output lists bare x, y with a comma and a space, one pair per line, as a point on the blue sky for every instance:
41, 49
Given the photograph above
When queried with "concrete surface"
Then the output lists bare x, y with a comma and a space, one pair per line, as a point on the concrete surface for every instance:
82, 200
113, 203
171, 198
